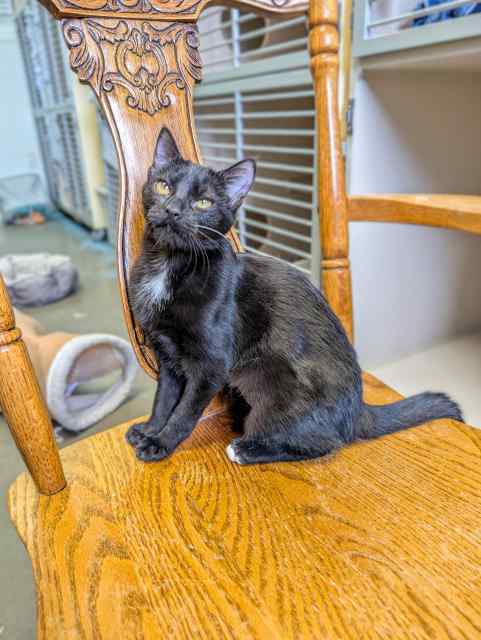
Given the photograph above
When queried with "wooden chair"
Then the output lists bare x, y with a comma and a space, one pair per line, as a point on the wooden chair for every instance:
381, 541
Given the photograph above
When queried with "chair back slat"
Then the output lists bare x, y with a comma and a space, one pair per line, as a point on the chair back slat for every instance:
101, 53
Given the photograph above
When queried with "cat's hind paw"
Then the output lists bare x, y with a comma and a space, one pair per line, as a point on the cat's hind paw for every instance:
233, 455
243, 451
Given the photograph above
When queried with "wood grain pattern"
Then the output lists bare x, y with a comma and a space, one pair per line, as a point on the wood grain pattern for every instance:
179, 10
432, 210
380, 541
324, 51
23, 407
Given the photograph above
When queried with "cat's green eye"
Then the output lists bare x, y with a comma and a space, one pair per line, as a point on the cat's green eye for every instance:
162, 188
203, 203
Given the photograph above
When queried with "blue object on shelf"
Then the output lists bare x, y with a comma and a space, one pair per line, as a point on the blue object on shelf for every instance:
460, 12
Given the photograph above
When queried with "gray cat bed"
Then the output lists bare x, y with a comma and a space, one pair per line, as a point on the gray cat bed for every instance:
39, 278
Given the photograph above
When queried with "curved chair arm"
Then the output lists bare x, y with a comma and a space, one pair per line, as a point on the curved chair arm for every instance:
431, 210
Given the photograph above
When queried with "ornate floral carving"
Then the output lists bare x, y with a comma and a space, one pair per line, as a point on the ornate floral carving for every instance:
148, 59
168, 9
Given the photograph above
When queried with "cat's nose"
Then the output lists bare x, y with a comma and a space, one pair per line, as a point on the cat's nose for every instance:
173, 209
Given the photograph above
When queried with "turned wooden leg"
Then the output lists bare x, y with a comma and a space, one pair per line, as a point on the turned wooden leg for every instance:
23, 405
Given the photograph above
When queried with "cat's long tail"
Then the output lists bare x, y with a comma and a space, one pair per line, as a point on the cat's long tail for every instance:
379, 420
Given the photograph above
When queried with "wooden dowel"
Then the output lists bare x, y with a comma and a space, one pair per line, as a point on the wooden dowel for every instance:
324, 52
23, 406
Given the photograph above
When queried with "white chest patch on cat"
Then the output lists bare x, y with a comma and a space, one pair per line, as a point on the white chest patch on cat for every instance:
156, 289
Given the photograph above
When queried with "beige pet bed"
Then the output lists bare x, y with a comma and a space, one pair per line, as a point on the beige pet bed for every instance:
64, 362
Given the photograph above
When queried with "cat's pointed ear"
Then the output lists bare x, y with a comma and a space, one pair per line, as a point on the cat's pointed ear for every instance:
239, 179
166, 150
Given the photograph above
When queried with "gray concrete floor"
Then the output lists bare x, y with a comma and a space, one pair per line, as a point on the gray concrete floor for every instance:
95, 308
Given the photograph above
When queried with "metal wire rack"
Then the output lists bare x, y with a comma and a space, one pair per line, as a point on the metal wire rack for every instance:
51, 91
6, 9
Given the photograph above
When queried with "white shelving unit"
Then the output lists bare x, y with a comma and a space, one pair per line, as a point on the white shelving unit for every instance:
416, 129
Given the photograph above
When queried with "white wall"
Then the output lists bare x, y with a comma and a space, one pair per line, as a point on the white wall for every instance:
19, 150
414, 286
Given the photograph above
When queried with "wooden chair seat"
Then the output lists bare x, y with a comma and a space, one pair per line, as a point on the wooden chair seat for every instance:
433, 210
382, 540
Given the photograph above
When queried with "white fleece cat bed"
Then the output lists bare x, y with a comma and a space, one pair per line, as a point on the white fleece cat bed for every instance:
75, 364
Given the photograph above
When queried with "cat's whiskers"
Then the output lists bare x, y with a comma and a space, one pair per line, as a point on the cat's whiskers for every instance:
191, 254
193, 249
157, 243
205, 258
214, 240
198, 250
221, 235
196, 254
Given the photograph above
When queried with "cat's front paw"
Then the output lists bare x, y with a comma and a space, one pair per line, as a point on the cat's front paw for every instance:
135, 433
151, 449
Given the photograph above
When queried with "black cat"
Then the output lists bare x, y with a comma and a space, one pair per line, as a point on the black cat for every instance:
252, 327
